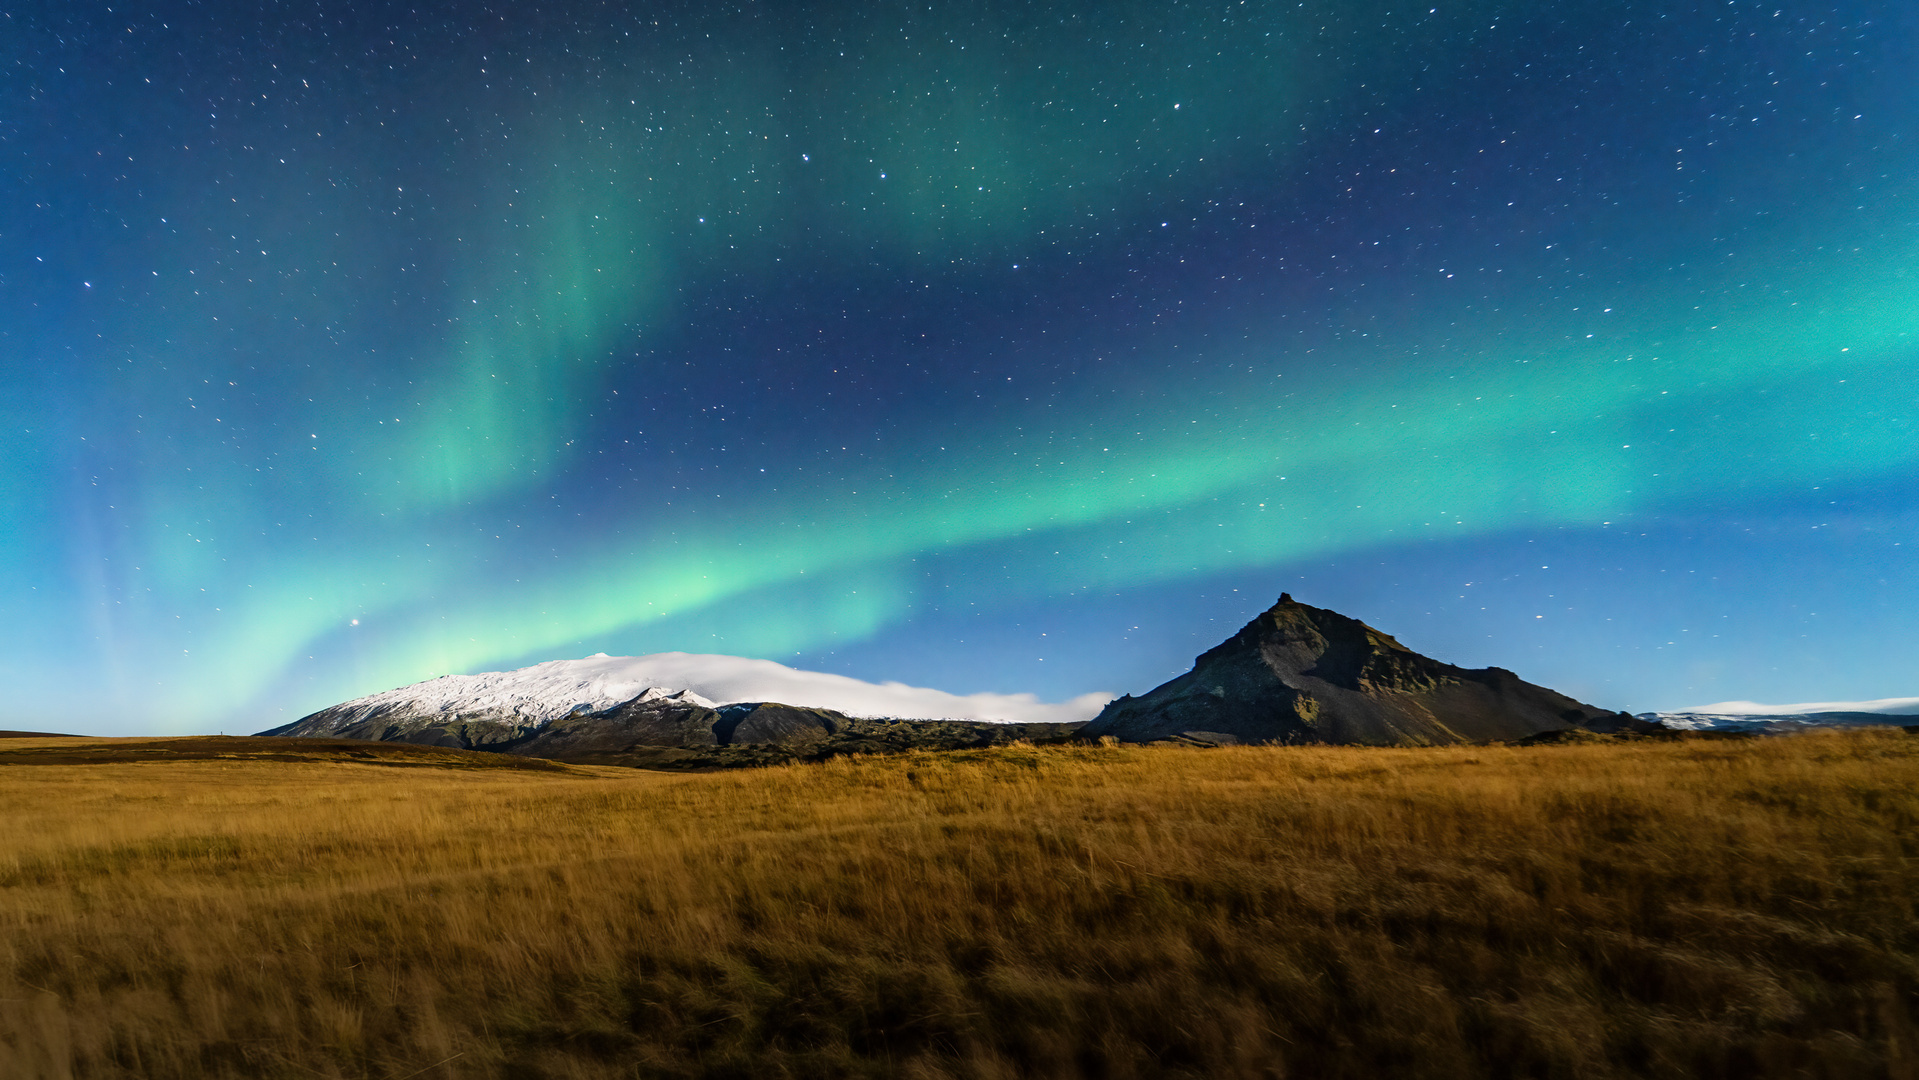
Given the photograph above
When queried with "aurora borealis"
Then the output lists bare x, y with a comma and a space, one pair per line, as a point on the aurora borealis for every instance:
996, 348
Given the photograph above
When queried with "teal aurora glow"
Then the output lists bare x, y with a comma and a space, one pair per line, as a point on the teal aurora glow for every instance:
983, 347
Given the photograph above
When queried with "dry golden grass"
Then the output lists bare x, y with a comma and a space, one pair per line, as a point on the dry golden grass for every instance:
1723, 909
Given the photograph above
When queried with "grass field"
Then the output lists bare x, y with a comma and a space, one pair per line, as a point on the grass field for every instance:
1690, 908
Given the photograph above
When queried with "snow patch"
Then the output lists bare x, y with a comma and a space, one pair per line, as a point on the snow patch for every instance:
536, 695
549, 691
1779, 719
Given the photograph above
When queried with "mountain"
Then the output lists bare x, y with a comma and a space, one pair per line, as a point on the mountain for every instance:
1752, 717
1777, 723
1302, 674
551, 690
605, 706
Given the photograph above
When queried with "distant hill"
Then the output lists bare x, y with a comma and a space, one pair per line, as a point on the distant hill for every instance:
599, 709
506, 705
1776, 723
1303, 674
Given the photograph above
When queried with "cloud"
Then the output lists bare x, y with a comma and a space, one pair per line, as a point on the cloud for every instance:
735, 678
1896, 706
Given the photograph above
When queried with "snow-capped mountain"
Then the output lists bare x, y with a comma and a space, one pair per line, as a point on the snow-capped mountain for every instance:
1753, 716
532, 697
609, 707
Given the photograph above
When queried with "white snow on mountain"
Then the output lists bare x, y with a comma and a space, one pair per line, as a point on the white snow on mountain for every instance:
539, 693
1776, 719
551, 690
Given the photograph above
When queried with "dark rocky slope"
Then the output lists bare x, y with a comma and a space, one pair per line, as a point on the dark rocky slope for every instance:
1302, 674
653, 718
673, 730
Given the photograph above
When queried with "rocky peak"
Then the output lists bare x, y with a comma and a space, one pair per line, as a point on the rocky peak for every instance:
1324, 644
1299, 673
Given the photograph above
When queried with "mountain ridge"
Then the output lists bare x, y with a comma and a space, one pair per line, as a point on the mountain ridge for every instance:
1294, 674
1303, 674
548, 691
677, 730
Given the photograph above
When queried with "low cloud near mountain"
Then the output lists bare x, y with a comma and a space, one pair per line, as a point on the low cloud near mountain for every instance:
735, 678
1896, 706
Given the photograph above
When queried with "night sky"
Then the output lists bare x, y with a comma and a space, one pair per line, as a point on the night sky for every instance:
992, 347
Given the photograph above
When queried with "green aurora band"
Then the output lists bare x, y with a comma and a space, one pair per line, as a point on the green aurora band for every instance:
447, 306
1551, 432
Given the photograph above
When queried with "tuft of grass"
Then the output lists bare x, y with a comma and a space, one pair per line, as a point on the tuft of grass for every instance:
1673, 908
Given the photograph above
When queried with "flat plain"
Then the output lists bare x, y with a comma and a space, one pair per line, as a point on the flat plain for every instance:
279, 908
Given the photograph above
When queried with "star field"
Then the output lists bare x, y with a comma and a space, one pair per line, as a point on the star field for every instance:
987, 347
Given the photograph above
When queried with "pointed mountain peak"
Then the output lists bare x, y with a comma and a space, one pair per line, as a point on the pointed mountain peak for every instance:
1299, 673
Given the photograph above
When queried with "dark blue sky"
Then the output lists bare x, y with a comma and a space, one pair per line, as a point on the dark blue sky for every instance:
997, 347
